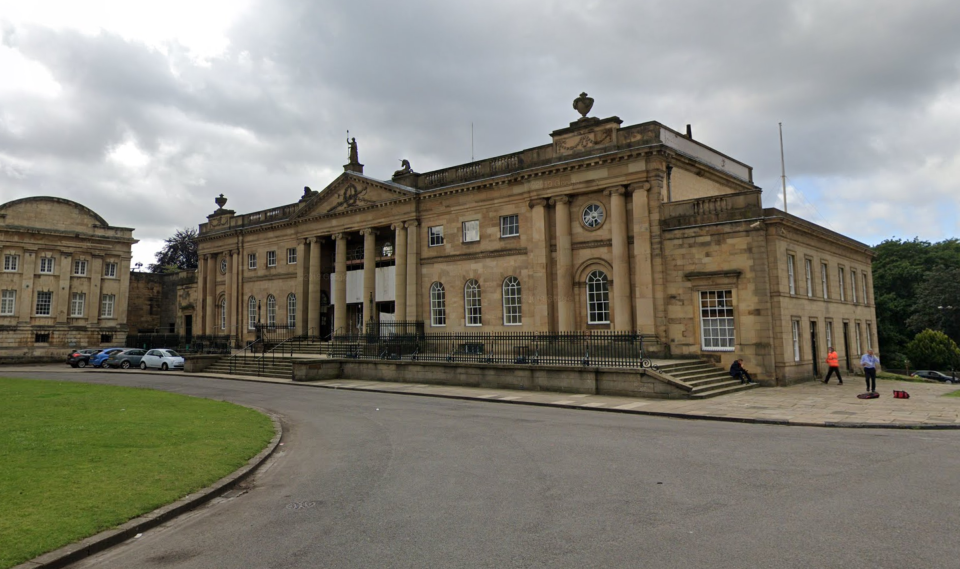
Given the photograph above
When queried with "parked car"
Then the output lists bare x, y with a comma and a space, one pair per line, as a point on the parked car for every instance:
98, 359
930, 374
125, 359
163, 359
80, 358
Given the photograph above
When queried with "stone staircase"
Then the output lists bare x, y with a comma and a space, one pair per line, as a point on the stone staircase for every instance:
706, 379
278, 368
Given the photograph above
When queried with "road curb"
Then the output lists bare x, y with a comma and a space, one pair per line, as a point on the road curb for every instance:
104, 540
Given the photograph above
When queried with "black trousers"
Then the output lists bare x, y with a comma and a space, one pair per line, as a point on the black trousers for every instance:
743, 376
870, 374
833, 370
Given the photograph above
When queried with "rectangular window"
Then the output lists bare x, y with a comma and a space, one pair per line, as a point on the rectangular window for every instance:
46, 265
80, 268
76, 304
435, 235
106, 305
252, 261
271, 258
110, 270
843, 297
8, 299
791, 281
716, 320
292, 256
869, 336
471, 231
796, 340
859, 345
41, 338
509, 225
808, 267
830, 335
106, 338
853, 285
252, 313
823, 280
863, 285
44, 301
11, 262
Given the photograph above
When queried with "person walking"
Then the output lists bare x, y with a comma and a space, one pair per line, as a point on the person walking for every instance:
869, 362
834, 362
737, 371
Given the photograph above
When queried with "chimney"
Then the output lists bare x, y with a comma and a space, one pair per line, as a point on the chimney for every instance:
689, 132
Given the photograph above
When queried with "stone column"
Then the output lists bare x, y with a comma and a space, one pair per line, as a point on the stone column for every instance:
233, 262
369, 275
93, 298
622, 309
302, 290
203, 302
28, 292
123, 298
565, 301
643, 260
400, 271
340, 286
61, 299
413, 270
312, 317
537, 308
213, 265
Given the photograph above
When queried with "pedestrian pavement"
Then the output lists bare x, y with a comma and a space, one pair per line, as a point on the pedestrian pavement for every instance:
810, 404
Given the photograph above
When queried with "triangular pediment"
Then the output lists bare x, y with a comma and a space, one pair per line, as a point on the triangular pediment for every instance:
351, 191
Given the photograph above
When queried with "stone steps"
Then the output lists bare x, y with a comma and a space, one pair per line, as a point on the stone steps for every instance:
281, 368
706, 379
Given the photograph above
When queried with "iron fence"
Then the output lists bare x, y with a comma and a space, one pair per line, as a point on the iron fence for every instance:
603, 349
183, 344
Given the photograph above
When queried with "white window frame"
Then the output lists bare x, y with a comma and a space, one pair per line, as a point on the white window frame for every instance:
110, 270
271, 258
795, 325
830, 334
80, 268
869, 336
46, 266
291, 310
47, 304
223, 313
859, 341
509, 226
853, 286
718, 331
271, 310
11, 263
438, 305
251, 261
107, 303
824, 281
843, 297
78, 300
808, 268
8, 302
472, 303
292, 256
252, 313
473, 227
512, 302
435, 236
863, 287
791, 275
598, 297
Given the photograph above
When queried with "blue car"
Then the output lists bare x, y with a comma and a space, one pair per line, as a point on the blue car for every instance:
98, 359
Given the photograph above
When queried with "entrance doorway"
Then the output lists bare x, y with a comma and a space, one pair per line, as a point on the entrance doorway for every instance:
324, 315
846, 344
188, 327
813, 349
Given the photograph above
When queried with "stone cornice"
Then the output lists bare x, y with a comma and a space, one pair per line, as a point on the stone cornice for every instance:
477, 255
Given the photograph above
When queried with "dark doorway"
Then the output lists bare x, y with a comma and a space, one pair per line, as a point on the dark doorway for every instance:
188, 327
324, 315
813, 349
846, 344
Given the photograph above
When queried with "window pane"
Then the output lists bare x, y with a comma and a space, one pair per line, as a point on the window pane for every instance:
511, 301
472, 306
598, 298
716, 320
471, 231
438, 307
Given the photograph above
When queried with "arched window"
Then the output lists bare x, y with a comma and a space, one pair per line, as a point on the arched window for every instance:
251, 313
598, 298
438, 305
223, 313
511, 302
471, 302
291, 310
271, 311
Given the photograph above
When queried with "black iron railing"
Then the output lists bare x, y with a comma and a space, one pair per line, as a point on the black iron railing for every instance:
603, 349
182, 344
242, 360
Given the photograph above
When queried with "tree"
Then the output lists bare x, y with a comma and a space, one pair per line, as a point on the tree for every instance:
178, 253
937, 305
933, 350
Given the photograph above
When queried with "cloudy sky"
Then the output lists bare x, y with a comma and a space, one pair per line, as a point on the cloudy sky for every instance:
145, 111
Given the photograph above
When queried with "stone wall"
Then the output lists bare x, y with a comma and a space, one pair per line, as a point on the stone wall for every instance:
146, 293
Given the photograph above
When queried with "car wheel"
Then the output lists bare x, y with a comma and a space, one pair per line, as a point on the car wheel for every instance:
81, 363
164, 367
143, 365
125, 364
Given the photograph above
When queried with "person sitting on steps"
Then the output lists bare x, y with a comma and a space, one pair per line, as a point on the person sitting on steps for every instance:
737, 371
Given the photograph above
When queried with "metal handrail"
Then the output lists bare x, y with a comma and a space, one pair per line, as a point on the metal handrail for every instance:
243, 354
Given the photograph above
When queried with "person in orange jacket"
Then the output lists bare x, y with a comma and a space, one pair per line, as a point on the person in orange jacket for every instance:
834, 362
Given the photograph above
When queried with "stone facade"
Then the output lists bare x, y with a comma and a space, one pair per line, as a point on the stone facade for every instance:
638, 228
64, 280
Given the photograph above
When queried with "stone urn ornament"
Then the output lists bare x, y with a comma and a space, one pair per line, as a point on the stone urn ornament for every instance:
583, 104
221, 201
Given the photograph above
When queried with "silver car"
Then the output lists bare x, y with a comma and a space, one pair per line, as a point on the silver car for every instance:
161, 359
125, 359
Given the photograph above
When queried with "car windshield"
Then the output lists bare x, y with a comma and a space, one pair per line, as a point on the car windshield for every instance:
172, 354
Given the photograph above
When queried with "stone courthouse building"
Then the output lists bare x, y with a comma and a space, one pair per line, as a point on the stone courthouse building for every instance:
637, 228
64, 278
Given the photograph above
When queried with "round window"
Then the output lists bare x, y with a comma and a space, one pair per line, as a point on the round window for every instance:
223, 266
592, 215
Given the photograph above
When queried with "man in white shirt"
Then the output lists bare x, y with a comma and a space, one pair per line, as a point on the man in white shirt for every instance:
869, 362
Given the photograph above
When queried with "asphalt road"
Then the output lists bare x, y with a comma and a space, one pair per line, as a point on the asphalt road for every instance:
377, 480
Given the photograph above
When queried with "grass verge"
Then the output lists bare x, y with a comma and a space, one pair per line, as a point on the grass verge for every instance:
76, 459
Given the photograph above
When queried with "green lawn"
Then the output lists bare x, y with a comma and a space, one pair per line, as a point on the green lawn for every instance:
76, 459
